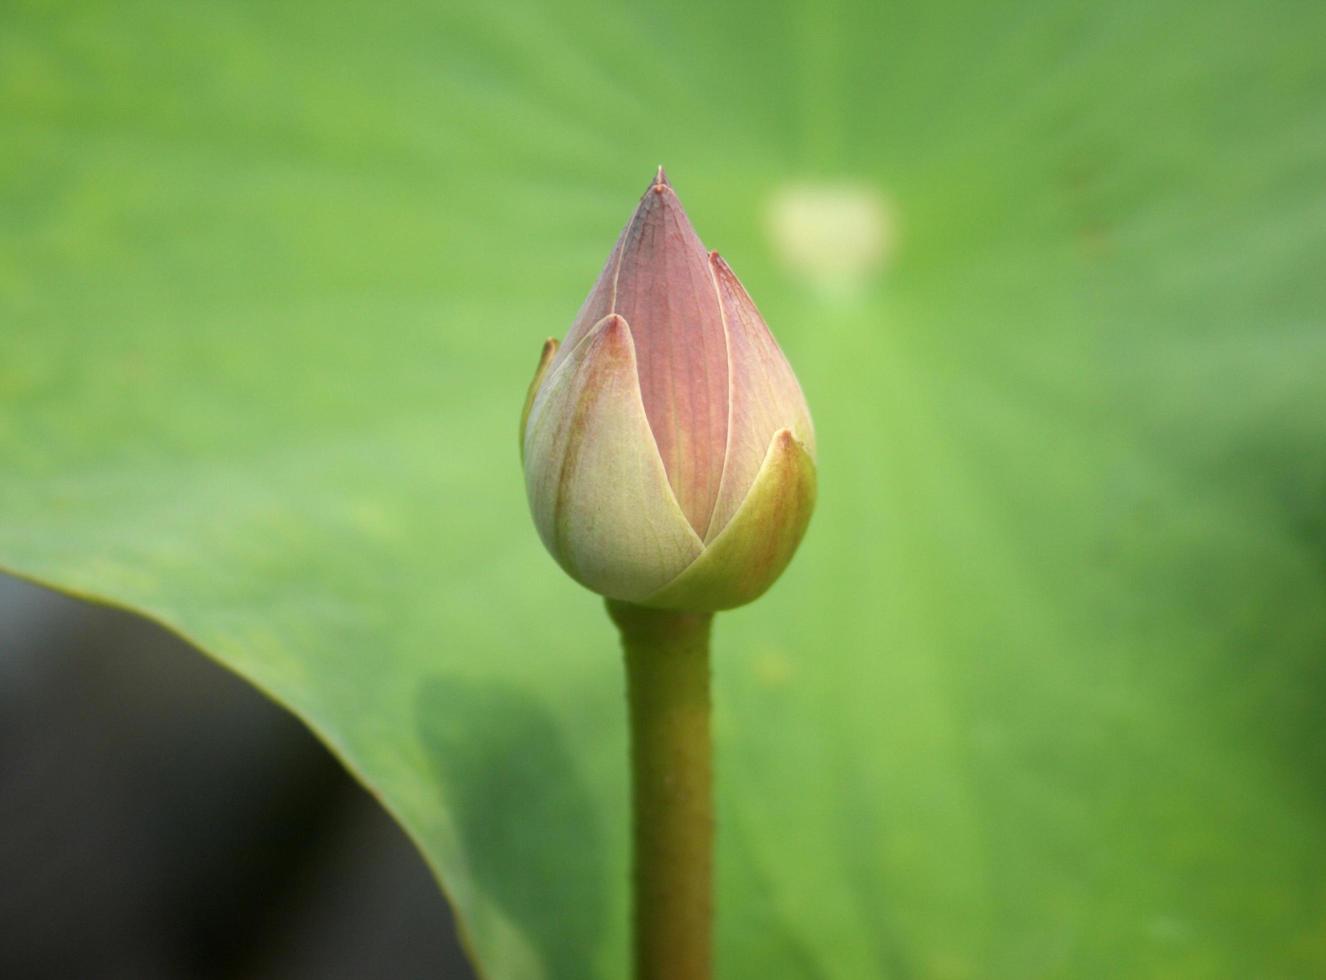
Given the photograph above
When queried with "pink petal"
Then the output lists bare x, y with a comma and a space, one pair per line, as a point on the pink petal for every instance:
765, 397
658, 279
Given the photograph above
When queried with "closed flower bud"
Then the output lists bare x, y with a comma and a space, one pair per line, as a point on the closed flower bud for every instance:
669, 455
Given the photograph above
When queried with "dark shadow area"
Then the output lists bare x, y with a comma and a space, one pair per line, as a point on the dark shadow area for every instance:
526, 820
161, 819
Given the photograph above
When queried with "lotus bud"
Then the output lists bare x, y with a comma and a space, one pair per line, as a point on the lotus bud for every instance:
668, 450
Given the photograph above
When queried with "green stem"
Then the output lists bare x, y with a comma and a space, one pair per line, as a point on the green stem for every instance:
667, 680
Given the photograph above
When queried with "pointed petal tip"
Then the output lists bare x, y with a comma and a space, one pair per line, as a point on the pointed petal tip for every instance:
660, 183
613, 336
785, 441
660, 198
615, 327
721, 268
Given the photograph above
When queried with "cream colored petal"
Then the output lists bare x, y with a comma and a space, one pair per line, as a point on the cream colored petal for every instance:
764, 396
752, 551
596, 483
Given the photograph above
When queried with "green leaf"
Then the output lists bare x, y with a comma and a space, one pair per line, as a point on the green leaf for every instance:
1040, 695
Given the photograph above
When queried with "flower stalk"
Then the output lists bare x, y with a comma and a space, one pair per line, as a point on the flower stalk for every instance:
672, 807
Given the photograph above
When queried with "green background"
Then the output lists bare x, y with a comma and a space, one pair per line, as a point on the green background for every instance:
1041, 696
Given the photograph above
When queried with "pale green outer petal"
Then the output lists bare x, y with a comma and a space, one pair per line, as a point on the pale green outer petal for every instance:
752, 551
596, 483
545, 361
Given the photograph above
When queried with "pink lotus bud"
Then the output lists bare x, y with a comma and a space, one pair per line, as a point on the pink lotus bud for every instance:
669, 455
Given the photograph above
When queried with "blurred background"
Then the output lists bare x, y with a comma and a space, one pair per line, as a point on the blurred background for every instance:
1040, 696
160, 819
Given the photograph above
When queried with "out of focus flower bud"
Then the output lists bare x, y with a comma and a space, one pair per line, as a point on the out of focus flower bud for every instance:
669, 455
